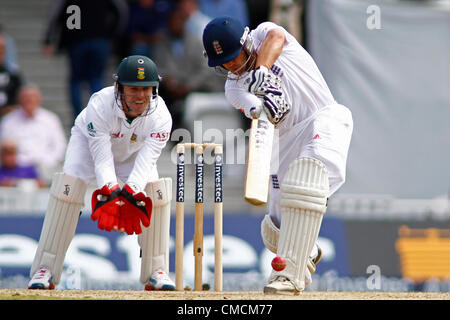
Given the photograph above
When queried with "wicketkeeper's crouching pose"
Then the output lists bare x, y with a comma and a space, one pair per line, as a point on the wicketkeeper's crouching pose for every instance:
118, 137
268, 69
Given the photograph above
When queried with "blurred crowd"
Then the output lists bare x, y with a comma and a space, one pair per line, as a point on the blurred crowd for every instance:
32, 138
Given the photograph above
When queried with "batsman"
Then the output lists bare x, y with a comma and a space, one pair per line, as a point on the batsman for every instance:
269, 73
117, 138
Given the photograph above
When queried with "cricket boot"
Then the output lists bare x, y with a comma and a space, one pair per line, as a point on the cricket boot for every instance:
42, 279
281, 284
159, 280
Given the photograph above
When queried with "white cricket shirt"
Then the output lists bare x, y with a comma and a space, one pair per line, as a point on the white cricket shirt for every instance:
316, 126
119, 146
303, 85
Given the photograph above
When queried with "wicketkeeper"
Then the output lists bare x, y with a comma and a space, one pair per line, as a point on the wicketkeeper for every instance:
268, 69
118, 137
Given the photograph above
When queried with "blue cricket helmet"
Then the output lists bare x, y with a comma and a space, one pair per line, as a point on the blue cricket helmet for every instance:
223, 40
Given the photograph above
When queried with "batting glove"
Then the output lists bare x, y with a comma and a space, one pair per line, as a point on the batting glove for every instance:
106, 207
137, 209
276, 107
262, 81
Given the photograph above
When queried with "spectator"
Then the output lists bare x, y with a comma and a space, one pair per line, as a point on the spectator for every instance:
183, 68
288, 14
11, 173
258, 11
10, 81
196, 21
89, 47
232, 8
147, 21
39, 133
11, 52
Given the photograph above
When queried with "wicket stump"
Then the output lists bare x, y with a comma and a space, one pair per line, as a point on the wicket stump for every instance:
198, 233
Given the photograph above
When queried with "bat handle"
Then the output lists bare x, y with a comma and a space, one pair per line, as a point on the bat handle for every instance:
255, 112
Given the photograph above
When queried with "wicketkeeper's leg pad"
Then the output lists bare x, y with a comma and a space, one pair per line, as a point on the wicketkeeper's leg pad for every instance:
154, 240
303, 202
64, 206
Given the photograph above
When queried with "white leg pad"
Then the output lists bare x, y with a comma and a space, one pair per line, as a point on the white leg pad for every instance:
64, 206
269, 233
154, 240
304, 193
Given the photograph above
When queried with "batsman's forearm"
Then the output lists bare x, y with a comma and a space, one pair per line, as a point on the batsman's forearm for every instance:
271, 48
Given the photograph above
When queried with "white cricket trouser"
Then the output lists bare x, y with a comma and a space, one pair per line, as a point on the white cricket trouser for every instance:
326, 137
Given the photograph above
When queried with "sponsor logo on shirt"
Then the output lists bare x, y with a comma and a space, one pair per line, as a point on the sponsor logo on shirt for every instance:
133, 137
117, 135
277, 70
160, 136
91, 130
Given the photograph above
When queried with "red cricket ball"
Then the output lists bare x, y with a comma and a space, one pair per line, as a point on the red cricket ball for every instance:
278, 263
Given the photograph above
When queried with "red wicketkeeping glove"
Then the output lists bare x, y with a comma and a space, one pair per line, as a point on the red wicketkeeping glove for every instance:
106, 207
137, 209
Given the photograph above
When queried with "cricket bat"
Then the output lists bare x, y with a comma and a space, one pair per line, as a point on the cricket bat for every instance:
258, 161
